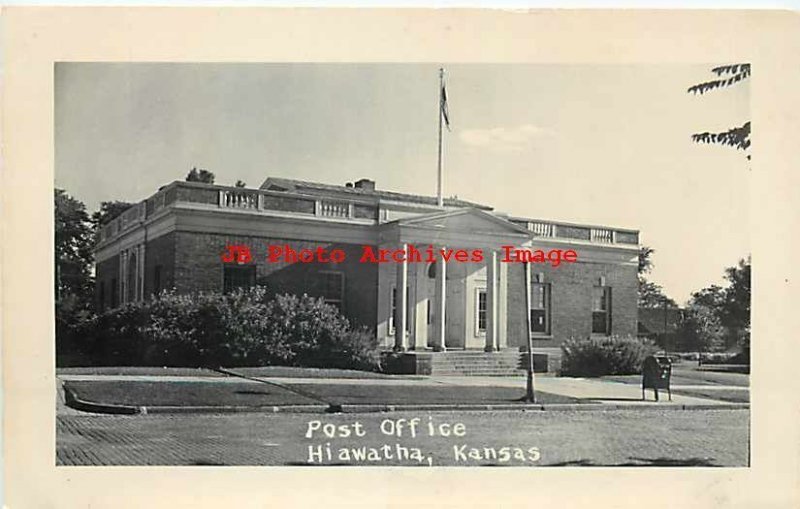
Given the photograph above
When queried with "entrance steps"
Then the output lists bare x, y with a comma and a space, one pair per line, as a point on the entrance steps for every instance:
509, 362
502, 363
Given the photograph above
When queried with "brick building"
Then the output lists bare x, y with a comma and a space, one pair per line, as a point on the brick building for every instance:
176, 239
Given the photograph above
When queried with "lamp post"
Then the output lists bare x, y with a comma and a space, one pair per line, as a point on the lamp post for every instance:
530, 396
666, 333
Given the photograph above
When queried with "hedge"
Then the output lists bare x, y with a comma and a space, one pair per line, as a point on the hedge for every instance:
612, 355
243, 328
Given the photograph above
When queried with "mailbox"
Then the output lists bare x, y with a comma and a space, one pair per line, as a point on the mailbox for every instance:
656, 374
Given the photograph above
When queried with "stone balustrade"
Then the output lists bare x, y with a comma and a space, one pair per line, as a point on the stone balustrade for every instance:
594, 234
256, 200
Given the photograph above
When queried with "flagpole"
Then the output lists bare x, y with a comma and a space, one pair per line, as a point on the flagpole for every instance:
440, 177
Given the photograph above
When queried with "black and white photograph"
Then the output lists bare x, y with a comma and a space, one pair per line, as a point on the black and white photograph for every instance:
399, 257
402, 264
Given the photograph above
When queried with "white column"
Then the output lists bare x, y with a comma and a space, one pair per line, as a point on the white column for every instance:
141, 272
401, 310
123, 271
440, 299
412, 306
491, 301
502, 306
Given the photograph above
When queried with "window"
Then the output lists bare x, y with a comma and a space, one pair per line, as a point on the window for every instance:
102, 295
429, 311
480, 311
242, 276
157, 279
540, 308
114, 292
394, 311
332, 287
601, 310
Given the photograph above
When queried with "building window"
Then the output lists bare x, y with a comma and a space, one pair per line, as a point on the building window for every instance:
480, 311
157, 279
540, 308
394, 311
102, 295
332, 287
429, 311
241, 276
601, 310
114, 292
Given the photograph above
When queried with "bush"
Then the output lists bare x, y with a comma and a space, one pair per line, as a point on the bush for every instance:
73, 321
605, 356
243, 328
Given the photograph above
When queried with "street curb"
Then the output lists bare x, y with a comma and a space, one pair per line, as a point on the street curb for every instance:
297, 409
73, 401
362, 409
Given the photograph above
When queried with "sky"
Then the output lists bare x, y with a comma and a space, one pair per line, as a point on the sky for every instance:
598, 144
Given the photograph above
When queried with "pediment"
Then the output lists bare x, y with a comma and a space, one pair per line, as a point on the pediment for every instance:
467, 221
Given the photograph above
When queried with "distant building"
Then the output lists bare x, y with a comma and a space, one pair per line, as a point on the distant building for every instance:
175, 239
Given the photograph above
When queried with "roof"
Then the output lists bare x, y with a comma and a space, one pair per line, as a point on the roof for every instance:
292, 185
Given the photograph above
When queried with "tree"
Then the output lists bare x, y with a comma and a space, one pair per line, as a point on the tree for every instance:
718, 318
240, 183
702, 329
651, 295
109, 210
735, 308
74, 237
645, 263
201, 175
727, 75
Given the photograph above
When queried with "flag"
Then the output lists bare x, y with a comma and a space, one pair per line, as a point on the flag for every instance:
443, 106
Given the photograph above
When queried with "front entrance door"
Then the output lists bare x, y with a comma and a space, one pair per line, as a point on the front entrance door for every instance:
455, 313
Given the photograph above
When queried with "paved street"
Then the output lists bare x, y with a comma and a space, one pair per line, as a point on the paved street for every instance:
540, 438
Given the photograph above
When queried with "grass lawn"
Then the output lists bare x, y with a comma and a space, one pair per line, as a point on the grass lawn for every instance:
265, 371
137, 371
165, 393
408, 394
185, 394
681, 376
732, 395
294, 372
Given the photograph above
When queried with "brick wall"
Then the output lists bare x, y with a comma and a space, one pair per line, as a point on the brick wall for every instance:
159, 252
571, 300
198, 268
105, 273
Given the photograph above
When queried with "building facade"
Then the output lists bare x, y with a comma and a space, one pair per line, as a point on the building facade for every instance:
176, 239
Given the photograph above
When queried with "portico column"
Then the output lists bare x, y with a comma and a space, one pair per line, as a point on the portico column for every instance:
502, 306
401, 309
140, 272
440, 297
491, 301
123, 272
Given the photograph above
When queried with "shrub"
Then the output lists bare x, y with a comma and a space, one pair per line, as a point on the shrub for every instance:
116, 335
605, 356
356, 349
319, 336
73, 321
243, 328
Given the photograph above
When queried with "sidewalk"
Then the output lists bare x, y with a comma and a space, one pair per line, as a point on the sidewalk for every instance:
594, 392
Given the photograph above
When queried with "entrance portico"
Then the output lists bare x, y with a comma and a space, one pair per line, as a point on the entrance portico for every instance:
456, 304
